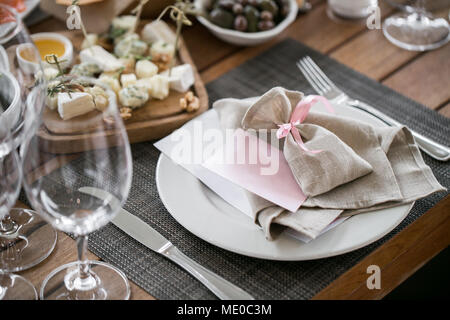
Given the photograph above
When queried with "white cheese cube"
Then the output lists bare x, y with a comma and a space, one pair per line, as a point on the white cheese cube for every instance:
162, 48
146, 69
157, 30
159, 86
128, 79
133, 97
145, 84
181, 77
111, 82
74, 105
99, 56
90, 40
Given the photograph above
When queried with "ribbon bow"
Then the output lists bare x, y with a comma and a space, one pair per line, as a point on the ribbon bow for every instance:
298, 116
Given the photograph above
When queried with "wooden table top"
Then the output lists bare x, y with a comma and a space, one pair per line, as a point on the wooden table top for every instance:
423, 77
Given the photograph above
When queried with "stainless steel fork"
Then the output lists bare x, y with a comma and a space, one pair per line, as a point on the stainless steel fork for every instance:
325, 87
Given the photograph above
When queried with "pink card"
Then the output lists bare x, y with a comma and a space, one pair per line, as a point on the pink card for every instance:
262, 170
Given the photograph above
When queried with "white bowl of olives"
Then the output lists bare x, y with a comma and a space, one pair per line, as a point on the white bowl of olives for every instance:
246, 22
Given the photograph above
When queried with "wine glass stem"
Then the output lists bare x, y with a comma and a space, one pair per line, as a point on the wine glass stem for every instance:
84, 270
7, 226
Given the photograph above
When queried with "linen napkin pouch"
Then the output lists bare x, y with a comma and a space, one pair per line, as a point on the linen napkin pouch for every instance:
316, 173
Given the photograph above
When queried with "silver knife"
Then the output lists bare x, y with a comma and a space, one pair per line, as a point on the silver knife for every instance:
152, 239
434, 149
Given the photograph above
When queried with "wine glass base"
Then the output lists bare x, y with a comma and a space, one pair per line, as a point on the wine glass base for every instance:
33, 241
112, 283
416, 33
14, 287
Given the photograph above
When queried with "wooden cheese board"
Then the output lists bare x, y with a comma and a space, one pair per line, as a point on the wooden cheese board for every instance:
154, 120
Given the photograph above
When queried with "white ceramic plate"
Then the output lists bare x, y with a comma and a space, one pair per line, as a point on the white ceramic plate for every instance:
205, 214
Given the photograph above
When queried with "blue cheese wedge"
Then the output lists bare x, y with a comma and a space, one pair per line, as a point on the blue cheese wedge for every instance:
74, 105
99, 56
133, 97
181, 77
130, 45
161, 47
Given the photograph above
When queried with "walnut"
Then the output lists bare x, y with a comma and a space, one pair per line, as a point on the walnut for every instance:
190, 103
194, 105
125, 113
183, 103
162, 61
189, 96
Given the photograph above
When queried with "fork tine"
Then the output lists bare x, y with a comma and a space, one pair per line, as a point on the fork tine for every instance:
314, 76
309, 79
323, 75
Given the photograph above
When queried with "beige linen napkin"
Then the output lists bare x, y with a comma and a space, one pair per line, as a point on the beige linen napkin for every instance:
361, 167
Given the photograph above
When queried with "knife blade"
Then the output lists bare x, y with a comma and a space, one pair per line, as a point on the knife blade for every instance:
152, 239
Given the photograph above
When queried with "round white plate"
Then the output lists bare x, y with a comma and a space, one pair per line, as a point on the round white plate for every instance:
205, 214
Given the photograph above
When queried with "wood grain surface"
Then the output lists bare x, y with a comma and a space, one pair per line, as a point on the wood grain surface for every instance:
420, 76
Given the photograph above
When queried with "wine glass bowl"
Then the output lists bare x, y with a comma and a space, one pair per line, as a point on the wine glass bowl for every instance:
416, 29
103, 162
25, 239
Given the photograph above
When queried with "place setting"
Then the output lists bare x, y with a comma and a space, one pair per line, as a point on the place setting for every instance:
267, 182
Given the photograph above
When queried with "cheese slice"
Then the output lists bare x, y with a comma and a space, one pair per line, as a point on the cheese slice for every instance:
77, 104
105, 60
181, 77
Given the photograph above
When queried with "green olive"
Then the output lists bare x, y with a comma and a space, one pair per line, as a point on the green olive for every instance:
222, 18
252, 15
269, 5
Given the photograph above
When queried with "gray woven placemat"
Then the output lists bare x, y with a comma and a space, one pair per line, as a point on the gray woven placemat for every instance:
263, 279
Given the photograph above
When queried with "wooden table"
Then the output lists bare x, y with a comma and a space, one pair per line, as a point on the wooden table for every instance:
423, 77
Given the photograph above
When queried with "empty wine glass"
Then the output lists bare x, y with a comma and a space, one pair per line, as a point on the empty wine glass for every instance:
11, 286
416, 29
98, 158
22, 97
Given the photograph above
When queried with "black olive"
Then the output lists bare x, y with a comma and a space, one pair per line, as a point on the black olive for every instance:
240, 23
238, 8
222, 18
285, 10
253, 3
265, 25
266, 15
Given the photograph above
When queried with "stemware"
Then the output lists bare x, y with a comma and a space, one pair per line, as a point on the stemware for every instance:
100, 158
11, 286
26, 237
416, 29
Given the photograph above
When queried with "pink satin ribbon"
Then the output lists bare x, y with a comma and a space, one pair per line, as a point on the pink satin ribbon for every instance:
298, 116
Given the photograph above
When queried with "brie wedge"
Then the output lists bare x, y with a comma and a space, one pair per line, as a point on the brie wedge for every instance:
181, 77
77, 104
99, 56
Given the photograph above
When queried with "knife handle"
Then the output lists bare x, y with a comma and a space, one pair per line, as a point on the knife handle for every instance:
222, 288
